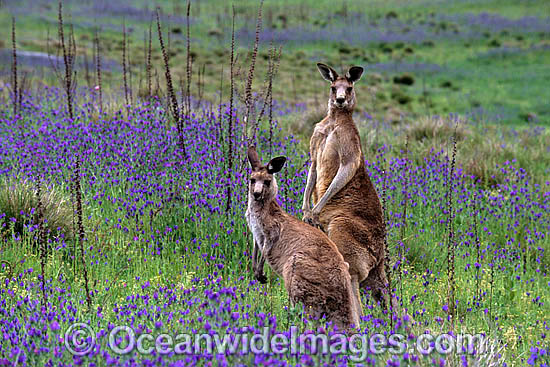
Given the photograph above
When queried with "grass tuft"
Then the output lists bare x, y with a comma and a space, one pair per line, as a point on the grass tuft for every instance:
19, 201
483, 148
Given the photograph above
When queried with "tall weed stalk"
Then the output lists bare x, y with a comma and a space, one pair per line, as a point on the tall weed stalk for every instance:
41, 241
248, 88
124, 68
188, 59
451, 242
230, 130
99, 87
174, 108
69, 52
14, 68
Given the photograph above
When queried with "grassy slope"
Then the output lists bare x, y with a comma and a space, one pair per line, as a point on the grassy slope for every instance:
507, 87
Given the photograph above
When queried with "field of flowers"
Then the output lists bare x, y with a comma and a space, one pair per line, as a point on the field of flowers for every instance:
161, 254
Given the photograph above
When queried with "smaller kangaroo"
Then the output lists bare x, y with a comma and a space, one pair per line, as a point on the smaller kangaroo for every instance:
313, 270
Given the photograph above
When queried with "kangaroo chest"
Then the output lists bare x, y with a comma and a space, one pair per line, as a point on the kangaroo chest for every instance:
325, 152
255, 225
267, 234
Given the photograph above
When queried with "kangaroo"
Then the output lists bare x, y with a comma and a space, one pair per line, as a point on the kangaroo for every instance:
346, 204
313, 270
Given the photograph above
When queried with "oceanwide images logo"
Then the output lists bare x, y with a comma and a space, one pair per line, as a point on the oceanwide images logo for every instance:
80, 340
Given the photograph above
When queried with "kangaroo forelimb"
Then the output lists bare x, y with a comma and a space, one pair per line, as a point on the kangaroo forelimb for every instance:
310, 185
343, 176
258, 264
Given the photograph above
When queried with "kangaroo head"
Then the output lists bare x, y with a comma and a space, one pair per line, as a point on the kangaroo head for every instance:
263, 186
342, 94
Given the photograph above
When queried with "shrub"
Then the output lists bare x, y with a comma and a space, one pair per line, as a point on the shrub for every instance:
403, 99
405, 79
399, 96
428, 43
482, 148
494, 43
391, 15
374, 78
529, 117
435, 128
19, 202
304, 122
344, 49
215, 32
299, 55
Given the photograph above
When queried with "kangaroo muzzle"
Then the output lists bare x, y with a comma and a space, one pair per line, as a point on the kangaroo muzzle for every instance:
341, 97
257, 190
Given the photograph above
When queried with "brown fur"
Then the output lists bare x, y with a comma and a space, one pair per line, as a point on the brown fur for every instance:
313, 270
351, 213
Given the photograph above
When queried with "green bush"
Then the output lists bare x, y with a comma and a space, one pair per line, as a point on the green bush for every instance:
19, 203
481, 148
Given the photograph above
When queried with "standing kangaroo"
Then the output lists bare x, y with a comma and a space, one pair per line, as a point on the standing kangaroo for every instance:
346, 204
313, 270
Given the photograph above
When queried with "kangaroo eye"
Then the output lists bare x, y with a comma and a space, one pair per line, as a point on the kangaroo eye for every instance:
349, 89
267, 182
333, 89
252, 181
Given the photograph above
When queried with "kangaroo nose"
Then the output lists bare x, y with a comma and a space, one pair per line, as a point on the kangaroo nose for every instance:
340, 100
257, 195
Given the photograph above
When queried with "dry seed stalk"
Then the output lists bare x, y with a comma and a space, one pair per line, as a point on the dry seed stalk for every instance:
124, 71
67, 60
268, 97
98, 68
171, 94
81, 232
148, 64
14, 68
404, 221
387, 257
41, 241
248, 87
188, 66
230, 135
478, 250
451, 244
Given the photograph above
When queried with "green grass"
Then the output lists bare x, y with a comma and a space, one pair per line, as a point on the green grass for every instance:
508, 88
121, 261
509, 319
19, 200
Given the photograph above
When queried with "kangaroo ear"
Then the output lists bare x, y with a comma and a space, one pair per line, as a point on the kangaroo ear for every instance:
253, 158
275, 165
354, 73
327, 72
